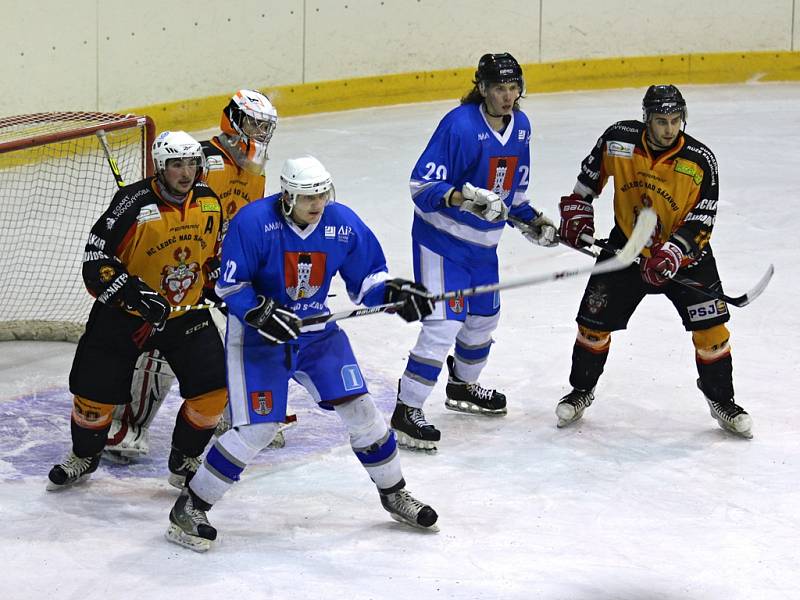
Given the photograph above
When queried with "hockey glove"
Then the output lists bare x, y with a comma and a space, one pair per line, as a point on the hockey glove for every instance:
276, 323
137, 296
483, 203
664, 262
416, 300
577, 218
540, 231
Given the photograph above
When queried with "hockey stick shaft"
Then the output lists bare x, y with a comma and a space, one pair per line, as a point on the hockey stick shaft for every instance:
112, 162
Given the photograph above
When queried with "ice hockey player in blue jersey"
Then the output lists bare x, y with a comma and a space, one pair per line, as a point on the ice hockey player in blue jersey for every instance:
473, 174
278, 259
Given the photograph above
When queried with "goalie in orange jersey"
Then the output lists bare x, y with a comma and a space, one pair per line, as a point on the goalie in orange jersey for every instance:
153, 249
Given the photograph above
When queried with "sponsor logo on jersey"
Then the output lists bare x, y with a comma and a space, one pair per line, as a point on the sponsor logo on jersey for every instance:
176, 281
209, 205
707, 310
343, 233
483, 136
274, 226
521, 135
304, 273
330, 231
148, 212
107, 273
215, 163
110, 223
261, 402
196, 328
690, 170
620, 149
501, 175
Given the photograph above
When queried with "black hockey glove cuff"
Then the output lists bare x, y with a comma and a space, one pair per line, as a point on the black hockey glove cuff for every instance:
415, 297
137, 296
276, 323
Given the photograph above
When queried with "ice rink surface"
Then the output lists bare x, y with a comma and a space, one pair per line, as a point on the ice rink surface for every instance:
644, 499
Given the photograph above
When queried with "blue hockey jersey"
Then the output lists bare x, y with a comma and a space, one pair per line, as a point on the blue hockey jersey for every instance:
464, 148
265, 253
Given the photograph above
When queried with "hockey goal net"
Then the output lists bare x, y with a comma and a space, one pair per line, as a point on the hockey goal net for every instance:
55, 182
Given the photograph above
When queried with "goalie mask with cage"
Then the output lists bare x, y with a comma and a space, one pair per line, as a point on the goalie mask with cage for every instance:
304, 176
249, 122
178, 145
663, 100
498, 68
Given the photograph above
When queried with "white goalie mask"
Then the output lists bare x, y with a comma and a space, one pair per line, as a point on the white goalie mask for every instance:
248, 122
178, 144
304, 176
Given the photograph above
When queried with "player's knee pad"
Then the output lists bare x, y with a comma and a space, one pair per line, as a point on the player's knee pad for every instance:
90, 414
593, 340
245, 441
204, 411
478, 329
711, 344
364, 422
435, 339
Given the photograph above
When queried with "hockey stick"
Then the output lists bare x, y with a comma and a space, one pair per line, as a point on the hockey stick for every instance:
112, 162
639, 237
604, 246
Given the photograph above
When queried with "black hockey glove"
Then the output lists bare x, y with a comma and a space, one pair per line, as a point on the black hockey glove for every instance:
416, 300
275, 322
151, 306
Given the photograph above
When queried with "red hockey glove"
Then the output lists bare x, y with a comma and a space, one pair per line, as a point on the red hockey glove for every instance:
577, 218
665, 260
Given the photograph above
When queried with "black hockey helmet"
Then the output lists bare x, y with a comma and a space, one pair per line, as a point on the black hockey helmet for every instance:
663, 100
499, 68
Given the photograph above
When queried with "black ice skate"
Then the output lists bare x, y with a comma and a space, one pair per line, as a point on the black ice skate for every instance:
730, 416
570, 408
413, 430
73, 470
404, 508
189, 526
471, 398
182, 468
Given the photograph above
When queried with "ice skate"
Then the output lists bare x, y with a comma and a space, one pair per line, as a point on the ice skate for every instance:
404, 508
73, 470
189, 526
472, 398
730, 416
570, 408
182, 468
413, 430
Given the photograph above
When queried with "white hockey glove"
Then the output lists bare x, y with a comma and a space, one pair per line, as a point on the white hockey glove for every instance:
540, 231
483, 203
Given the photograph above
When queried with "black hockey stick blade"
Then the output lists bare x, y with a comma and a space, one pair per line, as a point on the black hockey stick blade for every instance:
751, 294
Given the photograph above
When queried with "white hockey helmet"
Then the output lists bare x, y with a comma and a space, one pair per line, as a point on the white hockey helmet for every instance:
304, 176
249, 121
178, 144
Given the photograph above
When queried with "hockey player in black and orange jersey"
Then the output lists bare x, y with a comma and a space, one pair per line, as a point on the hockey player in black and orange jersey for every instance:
236, 159
655, 164
152, 249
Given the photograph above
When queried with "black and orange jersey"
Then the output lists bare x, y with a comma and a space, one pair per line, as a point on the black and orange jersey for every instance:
233, 185
681, 184
169, 246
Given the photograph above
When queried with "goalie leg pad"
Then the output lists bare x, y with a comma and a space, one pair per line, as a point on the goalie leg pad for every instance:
373, 442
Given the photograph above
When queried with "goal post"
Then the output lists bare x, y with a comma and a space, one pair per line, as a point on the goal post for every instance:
55, 182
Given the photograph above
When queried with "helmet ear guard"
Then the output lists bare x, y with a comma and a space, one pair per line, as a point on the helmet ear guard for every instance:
304, 176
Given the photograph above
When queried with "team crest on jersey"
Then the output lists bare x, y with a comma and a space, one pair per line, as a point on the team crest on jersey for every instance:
177, 280
304, 273
501, 174
107, 273
457, 304
261, 402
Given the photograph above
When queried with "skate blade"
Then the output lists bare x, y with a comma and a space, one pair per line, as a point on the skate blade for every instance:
473, 409
746, 433
433, 528
176, 535
54, 487
409, 443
